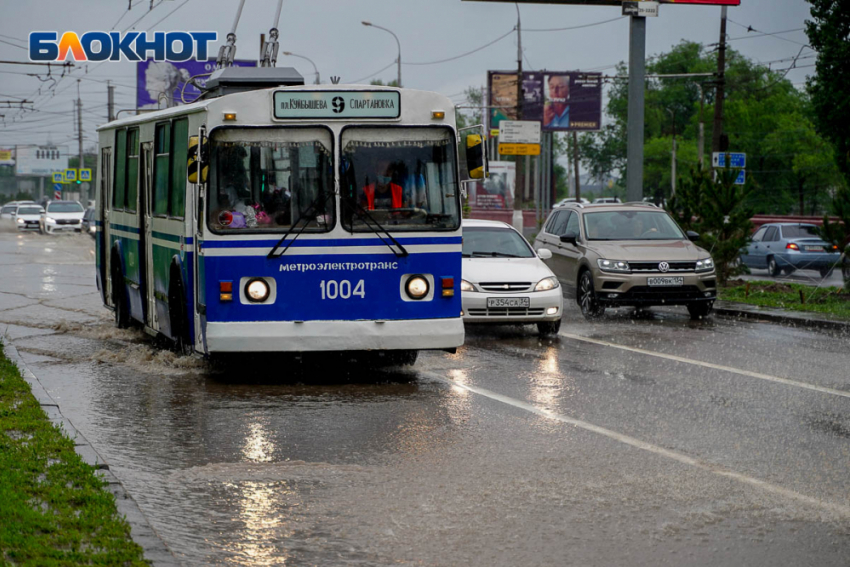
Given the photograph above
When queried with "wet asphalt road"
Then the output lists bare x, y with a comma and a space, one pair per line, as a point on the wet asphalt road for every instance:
636, 440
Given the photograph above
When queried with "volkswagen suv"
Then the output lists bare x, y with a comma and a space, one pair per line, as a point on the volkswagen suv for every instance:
635, 255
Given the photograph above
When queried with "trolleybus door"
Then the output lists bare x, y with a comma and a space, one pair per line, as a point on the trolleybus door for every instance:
146, 237
103, 214
196, 193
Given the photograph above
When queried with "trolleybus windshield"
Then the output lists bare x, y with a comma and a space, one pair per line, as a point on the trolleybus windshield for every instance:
265, 180
404, 178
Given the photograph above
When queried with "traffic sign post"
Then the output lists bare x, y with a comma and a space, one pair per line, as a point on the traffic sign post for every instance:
519, 138
736, 160
57, 191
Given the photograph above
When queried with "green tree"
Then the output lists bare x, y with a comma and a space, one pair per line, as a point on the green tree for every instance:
828, 31
806, 161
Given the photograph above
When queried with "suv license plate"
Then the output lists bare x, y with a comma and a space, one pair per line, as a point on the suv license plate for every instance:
508, 302
665, 282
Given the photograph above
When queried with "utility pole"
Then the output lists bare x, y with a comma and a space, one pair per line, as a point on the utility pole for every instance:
701, 138
637, 80
575, 166
518, 197
83, 196
110, 101
717, 134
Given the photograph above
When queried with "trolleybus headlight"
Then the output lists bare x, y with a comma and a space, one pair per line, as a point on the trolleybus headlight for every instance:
417, 287
257, 290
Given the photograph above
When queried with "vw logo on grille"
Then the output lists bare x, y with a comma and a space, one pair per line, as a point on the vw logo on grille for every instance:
663, 266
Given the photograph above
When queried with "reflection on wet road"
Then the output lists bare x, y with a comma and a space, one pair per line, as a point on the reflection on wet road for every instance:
636, 440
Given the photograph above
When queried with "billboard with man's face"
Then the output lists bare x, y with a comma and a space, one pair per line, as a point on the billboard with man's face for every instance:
569, 101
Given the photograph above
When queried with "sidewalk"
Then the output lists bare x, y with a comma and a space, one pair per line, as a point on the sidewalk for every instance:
796, 318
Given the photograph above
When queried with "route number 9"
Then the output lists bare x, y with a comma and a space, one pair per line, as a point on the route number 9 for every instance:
332, 289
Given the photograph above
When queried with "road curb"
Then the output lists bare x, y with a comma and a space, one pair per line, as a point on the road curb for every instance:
155, 549
793, 318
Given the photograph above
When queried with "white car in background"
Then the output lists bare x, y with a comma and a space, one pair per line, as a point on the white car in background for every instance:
7, 212
28, 216
61, 216
505, 281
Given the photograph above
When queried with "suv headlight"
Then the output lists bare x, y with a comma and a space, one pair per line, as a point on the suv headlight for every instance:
546, 284
20, 221
705, 265
466, 286
49, 220
613, 266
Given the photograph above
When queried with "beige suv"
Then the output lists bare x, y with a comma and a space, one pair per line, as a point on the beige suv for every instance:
627, 255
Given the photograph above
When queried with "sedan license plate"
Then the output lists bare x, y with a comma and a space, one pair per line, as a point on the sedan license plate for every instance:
665, 282
813, 248
508, 302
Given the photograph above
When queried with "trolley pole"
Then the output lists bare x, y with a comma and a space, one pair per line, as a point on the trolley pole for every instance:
637, 78
576, 166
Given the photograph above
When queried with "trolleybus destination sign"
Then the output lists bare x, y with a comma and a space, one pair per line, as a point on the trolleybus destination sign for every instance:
336, 104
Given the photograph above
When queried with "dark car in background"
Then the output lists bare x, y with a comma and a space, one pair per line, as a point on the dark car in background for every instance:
787, 247
88, 224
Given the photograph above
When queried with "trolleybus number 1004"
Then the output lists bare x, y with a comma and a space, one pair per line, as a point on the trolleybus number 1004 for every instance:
331, 289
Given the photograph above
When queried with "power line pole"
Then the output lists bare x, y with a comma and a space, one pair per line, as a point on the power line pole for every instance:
110, 101
83, 196
717, 134
518, 191
637, 83
576, 166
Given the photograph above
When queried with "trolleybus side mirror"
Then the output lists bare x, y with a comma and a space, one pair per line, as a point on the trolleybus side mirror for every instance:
194, 156
475, 156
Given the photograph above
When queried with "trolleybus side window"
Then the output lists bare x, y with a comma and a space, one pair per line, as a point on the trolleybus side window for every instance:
179, 155
132, 169
270, 179
403, 178
161, 173
119, 193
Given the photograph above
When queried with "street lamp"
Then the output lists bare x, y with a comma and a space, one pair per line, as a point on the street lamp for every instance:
368, 24
289, 53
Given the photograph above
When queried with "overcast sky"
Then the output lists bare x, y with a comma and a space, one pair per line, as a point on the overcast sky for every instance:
330, 33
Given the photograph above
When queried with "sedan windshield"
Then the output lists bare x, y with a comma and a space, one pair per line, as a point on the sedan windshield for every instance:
631, 225
65, 207
401, 178
29, 211
494, 243
270, 180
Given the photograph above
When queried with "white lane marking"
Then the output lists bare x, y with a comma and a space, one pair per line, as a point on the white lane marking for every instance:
675, 358
649, 447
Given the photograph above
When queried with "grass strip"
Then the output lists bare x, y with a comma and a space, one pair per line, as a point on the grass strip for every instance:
828, 300
54, 510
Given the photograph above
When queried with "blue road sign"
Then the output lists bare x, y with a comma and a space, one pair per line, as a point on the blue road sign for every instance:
57, 191
742, 177
737, 160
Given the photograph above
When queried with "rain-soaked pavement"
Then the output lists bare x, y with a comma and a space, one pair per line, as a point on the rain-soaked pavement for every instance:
637, 440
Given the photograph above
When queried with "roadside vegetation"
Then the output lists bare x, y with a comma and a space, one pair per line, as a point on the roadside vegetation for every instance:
795, 297
54, 510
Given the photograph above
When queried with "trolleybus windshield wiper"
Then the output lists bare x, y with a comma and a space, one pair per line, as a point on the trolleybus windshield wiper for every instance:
304, 215
363, 215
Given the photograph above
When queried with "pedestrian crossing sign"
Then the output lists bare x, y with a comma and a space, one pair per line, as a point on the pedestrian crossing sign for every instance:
70, 176
58, 177
85, 175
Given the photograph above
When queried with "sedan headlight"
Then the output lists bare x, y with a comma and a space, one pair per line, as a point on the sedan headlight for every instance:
257, 290
705, 265
613, 265
546, 284
466, 286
